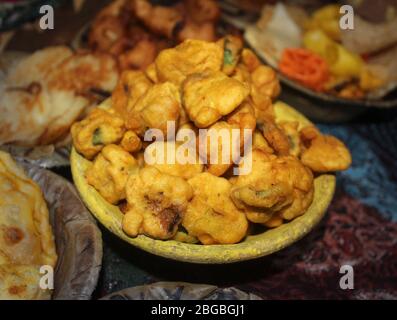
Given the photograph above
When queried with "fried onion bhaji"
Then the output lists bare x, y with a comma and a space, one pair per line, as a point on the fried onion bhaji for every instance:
166, 157
191, 56
157, 203
208, 96
100, 128
160, 104
275, 186
323, 153
110, 171
211, 215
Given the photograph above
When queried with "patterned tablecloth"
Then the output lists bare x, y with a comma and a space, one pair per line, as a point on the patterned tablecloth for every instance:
360, 229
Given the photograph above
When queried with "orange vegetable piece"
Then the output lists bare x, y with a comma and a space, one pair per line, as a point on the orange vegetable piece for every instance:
305, 67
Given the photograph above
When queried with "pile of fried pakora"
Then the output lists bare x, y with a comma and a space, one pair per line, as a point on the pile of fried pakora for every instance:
196, 85
135, 31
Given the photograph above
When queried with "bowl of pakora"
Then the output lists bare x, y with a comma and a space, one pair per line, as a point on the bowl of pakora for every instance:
192, 160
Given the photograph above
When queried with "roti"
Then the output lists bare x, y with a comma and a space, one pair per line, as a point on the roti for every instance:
26, 239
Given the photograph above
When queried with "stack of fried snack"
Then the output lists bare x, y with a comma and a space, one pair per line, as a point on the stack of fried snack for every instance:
135, 31
213, 85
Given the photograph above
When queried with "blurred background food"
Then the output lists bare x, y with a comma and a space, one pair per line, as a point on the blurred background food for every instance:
135, 31
351, 64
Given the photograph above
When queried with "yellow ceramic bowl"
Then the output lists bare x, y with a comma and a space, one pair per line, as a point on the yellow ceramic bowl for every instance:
253, 246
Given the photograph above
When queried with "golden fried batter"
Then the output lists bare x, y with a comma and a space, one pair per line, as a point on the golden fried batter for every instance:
290, 129
260, 143
131, 86
276, 138
100, 128
109, 172
219, 139
279, 185
161, 103
139, 57
324, 153
243, 116
265, 80
205, 100
158, 202
151, 73
250, 60
202, 11
191, 30
160, 19
211, 216
105, 32
131, 142
191, 56
232, 47
167, 158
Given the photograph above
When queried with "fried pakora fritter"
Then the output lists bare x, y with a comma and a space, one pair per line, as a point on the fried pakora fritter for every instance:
243, 116
323, 153
276, 138
110, 171
232, 47
290, 129
265, 80
191, 56
211, 216
167, 157
131, 142
260, 143
160, 19
205, 100
221, 147
275, 185
250, 60
100, 128
131, 86
157, 203
151, 73
160, 104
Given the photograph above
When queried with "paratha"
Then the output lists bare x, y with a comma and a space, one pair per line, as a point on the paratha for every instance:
26, 239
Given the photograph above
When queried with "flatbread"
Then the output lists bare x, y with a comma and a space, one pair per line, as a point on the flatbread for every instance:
26, 239
47, 91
